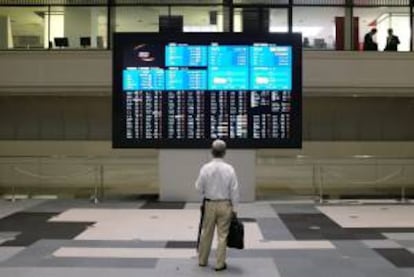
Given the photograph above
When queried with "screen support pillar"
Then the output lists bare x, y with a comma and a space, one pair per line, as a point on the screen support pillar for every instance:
178, 171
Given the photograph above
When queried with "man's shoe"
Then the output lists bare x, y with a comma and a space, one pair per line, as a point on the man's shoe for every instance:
202, 265
221, 268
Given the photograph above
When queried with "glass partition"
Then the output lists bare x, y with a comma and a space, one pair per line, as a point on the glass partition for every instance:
274, 20
200, 19
23, 27
325, 25
138, 19
384, 18
98, 178
355, 177
78, 27
84, 177
278, 20
322, 28
55, 27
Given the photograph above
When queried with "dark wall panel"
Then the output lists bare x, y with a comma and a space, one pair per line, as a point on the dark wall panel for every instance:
89, 118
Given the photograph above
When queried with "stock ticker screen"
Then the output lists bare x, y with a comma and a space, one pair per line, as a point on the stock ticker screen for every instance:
187, 89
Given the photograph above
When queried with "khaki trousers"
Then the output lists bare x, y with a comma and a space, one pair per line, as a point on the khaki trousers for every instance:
216, 213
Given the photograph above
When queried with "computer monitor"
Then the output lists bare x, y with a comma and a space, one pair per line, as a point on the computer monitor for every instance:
170, 23
61, 42
85, 41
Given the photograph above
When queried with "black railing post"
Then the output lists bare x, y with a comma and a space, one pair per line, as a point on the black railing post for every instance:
290, 16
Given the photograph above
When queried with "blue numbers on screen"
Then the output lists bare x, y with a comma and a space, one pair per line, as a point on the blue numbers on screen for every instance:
216, 67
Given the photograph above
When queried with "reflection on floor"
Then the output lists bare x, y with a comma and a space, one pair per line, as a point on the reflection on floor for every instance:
148, 238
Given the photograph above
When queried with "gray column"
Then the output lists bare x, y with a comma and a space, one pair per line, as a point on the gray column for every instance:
227, 19
348, 32
178, 171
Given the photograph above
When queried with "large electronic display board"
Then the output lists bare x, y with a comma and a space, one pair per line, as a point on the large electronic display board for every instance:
184, 90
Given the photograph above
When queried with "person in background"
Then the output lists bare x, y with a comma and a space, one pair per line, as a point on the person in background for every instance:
218, 186
392, 41
369, 43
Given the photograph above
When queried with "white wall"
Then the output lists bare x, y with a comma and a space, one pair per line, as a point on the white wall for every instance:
5, 29
10, 43
56, 27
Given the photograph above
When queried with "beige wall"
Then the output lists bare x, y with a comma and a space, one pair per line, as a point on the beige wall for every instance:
329, 73
55, 127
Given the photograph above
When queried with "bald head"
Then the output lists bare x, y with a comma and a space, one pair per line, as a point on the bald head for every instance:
218, 148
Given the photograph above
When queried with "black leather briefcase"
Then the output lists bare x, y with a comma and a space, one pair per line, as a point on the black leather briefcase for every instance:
235, 239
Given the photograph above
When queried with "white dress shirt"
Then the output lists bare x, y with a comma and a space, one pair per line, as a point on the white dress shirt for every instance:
218, 181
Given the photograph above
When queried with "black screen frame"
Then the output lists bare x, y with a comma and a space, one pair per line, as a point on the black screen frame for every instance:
284, 39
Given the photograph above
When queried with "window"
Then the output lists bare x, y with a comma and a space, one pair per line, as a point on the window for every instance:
23, 27
324, 24
84, 27
278, 20
319, 26
251, 19
383, 18
138, 19
200, 19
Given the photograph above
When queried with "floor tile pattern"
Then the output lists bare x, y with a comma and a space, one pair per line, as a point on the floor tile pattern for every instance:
34, 226
151, 238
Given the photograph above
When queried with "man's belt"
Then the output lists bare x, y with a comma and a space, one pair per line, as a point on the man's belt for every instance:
216, 200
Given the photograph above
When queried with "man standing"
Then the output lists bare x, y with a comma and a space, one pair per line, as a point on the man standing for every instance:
369, 43
392, 41
217, 184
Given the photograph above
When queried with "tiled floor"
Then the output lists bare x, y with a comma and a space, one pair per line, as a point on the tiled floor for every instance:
147, 238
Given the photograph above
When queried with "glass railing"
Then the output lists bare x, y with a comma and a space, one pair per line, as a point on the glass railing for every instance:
97, 178
77, 177
354, 177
